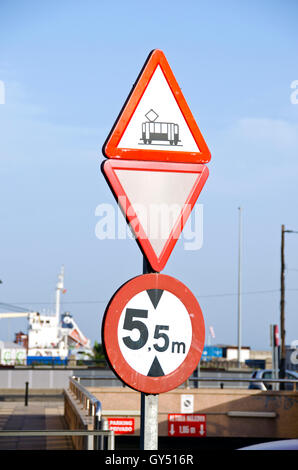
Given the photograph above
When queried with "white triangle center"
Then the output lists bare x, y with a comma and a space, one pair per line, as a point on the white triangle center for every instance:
158, 123
158, 199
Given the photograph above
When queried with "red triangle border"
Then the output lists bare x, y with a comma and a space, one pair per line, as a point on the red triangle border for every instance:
111, 149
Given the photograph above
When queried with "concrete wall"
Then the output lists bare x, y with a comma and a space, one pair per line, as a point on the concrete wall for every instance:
49, 378
38, 379
216, 404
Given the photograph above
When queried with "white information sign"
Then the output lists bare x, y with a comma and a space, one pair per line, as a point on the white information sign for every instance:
187, 403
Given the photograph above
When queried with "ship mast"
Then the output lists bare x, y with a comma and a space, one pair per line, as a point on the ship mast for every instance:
59, 288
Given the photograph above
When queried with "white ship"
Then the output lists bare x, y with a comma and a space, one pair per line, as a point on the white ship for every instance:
53, 338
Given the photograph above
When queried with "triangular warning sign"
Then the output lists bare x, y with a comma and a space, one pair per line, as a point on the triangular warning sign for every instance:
156, 123
157, 199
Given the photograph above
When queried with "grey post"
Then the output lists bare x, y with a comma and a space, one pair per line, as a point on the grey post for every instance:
26, 393
149, 408
149, 422
97, 441
239, 287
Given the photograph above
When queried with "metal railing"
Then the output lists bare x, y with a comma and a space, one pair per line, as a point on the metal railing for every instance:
88, 401
110, 378
197, 380
92, 407
108, 434
221, 380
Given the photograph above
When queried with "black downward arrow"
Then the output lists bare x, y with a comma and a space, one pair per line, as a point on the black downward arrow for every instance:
155, 295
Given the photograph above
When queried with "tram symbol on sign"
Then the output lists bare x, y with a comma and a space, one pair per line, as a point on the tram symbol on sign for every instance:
152, 130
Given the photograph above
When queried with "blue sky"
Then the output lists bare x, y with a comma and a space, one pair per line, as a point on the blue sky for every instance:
67, 68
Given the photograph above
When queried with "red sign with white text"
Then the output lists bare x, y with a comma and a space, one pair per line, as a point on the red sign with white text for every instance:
186, 425
122, 425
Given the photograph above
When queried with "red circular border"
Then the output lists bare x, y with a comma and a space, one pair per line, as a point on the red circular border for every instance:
125, 372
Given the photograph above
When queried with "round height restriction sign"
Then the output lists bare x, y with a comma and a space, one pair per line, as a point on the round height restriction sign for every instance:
153, 333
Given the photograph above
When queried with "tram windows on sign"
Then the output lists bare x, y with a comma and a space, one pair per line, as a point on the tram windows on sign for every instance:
159, 131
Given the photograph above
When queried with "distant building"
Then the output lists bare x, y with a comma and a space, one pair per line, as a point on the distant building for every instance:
12, 354
260, 359
230, 353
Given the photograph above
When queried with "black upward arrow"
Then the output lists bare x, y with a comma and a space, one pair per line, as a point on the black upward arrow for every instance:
155, 369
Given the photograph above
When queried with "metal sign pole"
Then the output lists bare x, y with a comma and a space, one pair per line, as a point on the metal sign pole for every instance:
149, 408
149, 422
275, 355
239, 288
168, 171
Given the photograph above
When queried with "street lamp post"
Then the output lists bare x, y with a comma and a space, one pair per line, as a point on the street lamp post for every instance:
282, 364
239, 287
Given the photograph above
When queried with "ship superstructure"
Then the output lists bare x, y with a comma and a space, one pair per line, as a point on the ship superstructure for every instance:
53, 337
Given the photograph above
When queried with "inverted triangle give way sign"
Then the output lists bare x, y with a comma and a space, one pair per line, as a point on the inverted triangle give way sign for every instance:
157, 199
156, 123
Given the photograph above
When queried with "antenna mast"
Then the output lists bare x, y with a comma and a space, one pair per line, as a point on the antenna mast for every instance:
59, 288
